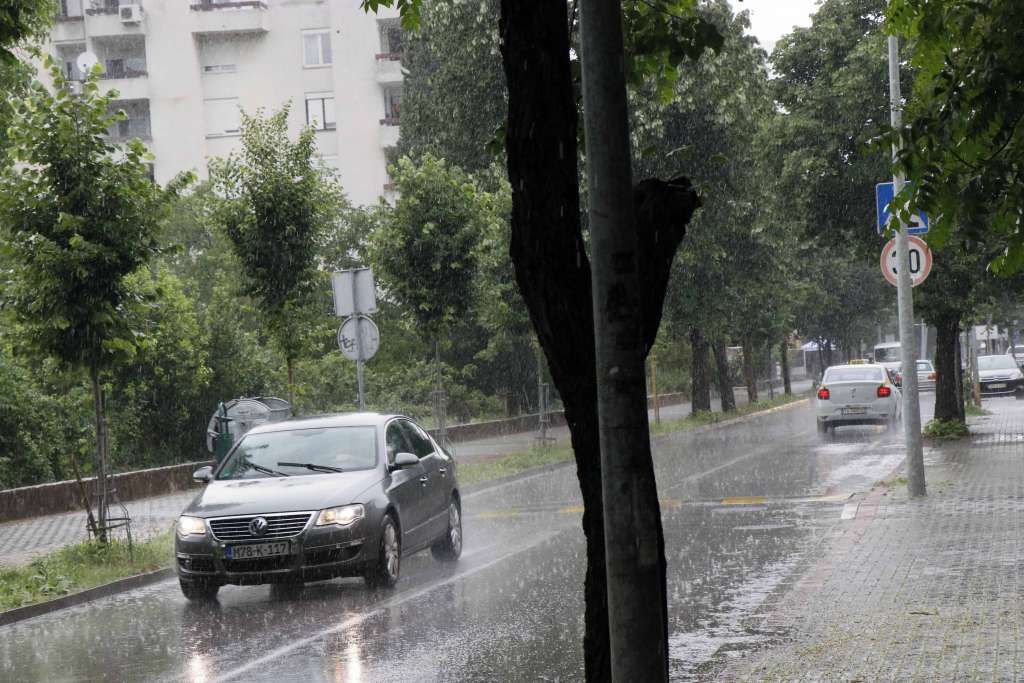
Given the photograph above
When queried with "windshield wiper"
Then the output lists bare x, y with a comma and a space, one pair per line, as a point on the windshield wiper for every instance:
264, 470
311, 466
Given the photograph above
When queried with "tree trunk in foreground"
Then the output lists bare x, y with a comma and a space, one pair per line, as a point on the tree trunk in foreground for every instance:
749, 378
949, 404
700, 383
550, 259
722, 376
784, 358
102, 461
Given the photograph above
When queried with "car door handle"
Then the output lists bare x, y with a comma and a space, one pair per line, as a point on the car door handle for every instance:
442, 470
424, 479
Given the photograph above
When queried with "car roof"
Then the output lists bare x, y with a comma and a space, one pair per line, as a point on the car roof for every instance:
887, 345
856, 366
365, 419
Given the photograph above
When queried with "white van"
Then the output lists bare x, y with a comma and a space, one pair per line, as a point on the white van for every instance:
888, 355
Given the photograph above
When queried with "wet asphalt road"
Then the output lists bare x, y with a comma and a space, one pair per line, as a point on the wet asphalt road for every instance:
744, 507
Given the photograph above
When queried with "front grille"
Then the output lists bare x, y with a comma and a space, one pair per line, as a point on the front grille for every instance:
328, 555
197, 564
278, 526
1007, 378
265, 564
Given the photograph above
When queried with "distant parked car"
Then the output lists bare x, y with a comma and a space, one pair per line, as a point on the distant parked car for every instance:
926, 375
1018, 353
1000, 376
311, 499
857, 395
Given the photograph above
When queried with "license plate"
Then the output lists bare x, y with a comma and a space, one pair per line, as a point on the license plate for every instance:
854, 411
255, 551
997, 385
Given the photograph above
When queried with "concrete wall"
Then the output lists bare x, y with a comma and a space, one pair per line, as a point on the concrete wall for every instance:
65, 496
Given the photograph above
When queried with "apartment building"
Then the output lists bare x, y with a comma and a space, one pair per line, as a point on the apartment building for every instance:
185, 69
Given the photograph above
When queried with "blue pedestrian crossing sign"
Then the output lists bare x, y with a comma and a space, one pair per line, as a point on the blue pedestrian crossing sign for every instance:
883, 195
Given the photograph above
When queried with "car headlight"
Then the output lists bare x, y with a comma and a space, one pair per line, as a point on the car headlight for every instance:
191, 526
343, 515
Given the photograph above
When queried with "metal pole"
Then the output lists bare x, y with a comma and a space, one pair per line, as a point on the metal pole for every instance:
638, 643
359, 344
905, 299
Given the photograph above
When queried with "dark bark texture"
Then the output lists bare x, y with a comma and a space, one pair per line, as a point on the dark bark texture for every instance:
949, 403
784, 356
550, 259
722, 377
749, 376
700, 382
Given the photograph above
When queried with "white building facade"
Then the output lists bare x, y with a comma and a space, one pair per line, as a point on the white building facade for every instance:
184, 69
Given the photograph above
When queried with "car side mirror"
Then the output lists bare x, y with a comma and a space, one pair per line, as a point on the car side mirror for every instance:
204, 475
403, 460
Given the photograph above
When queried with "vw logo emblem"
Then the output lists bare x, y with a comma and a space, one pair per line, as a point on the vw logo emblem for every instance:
258, 526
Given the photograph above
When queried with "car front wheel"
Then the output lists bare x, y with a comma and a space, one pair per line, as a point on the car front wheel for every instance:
449, 547
199, 591
384, 574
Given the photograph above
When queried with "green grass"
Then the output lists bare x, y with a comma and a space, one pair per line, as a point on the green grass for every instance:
945, 430
707, 417
78, 567
513, 463
521, 461
972, 410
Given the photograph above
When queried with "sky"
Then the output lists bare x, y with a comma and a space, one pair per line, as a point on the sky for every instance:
772, 19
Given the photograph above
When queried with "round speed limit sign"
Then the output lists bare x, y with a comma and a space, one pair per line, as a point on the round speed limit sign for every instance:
919, 257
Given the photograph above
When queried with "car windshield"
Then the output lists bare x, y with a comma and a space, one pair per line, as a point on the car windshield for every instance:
924, 366
996, 363
302, 451
853, 375
887, 355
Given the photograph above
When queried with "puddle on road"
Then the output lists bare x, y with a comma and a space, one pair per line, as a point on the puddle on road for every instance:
724, 633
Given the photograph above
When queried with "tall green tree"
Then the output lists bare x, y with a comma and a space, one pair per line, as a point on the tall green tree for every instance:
453, 94
80, 217
279, 202
963, 139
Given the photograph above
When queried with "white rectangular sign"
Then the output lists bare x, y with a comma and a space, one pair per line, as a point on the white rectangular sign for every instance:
354, 292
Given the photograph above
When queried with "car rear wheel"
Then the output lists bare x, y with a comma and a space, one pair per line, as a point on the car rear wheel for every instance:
449, 548
199, 591
384, 574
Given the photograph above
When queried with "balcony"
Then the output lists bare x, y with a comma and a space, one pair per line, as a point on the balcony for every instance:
389, 67
68, 28
106, 20
389, 134
229, 18
130, 85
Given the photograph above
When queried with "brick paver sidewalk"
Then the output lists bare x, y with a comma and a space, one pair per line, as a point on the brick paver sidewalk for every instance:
914, 590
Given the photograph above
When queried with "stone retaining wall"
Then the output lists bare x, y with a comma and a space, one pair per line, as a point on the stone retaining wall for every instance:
64, 496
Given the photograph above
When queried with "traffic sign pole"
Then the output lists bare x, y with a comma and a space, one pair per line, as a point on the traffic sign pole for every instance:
905, 301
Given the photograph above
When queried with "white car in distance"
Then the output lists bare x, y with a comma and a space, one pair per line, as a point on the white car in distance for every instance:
857, 395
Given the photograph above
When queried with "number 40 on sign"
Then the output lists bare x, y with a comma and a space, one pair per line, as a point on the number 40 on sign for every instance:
919, 256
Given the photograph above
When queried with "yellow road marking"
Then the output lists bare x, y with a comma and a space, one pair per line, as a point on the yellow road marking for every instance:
745, 500
572, 508
499, 513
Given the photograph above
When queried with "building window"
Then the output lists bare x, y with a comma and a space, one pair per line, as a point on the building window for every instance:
219, 69
391, 42
316, 47
223, 117
392, 106
320, 110
70, 9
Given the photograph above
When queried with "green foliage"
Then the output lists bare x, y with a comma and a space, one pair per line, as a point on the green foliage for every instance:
279, 203
453, 94
26, 433
80, 216
945, 430
425, 250
964, 146
22, 21
78, 567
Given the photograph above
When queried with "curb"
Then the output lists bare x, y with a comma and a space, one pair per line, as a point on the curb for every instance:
88, 595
